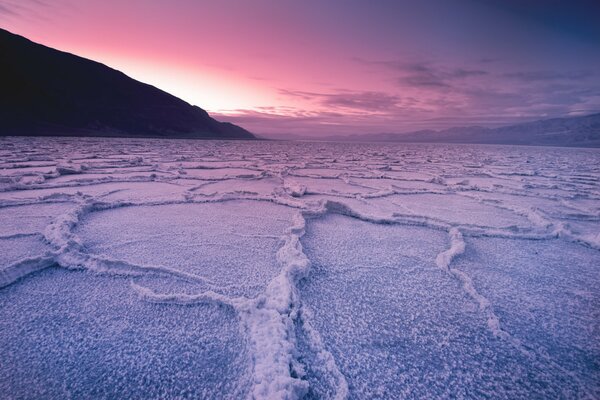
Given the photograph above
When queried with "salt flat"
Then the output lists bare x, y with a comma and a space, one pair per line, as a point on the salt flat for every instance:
147, 268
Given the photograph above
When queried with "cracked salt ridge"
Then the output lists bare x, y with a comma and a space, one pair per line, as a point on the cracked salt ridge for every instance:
77, 335
541, 229
22, 249
416, 211
539, 220
299, 186
264, 186
547, 306
209, 226
269, 320
536, 359
114, 191
30, 218
223, 173
22, 254
344, 319
83, 183
443, 260
375, 219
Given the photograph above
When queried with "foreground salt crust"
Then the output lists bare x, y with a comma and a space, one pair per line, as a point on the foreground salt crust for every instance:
184, 269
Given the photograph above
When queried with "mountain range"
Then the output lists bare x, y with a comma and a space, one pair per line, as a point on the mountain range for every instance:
47, 92
579, 131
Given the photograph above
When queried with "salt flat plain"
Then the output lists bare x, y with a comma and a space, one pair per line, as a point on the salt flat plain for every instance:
206, 269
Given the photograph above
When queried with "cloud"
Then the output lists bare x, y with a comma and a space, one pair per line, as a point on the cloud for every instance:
425, 75
268, 120
8, 9
27, 9
423, 79
367, 101
436, 97
308, 124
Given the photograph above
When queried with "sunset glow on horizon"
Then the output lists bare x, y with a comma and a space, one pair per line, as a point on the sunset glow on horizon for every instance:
340, 67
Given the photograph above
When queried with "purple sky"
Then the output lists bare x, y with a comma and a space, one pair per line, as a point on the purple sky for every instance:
339, 67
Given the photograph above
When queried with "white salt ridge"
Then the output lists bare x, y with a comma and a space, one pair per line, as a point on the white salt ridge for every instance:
444, 259
293, 188
591, 240
64, 169
269, 320
12, 273
457, 247
326, 361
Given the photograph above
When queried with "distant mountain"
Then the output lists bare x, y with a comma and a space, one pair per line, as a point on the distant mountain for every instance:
583, 131
48, 92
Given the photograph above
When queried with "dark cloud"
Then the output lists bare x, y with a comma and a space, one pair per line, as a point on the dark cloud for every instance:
426, 68
429, 76
444, 96
425, 74
421, 75
7, 9
460, 73
493, 91
28, 9
370, 101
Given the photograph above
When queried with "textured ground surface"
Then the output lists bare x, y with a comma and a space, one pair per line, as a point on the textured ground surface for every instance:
185, 269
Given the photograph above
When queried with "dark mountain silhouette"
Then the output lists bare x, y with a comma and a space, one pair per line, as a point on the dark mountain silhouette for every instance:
48, 92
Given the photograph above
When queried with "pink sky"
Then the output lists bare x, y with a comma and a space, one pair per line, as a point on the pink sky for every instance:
330, 67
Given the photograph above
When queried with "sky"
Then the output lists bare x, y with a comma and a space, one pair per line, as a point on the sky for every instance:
279, 67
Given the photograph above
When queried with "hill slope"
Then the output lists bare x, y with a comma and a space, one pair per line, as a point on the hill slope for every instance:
50, 92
